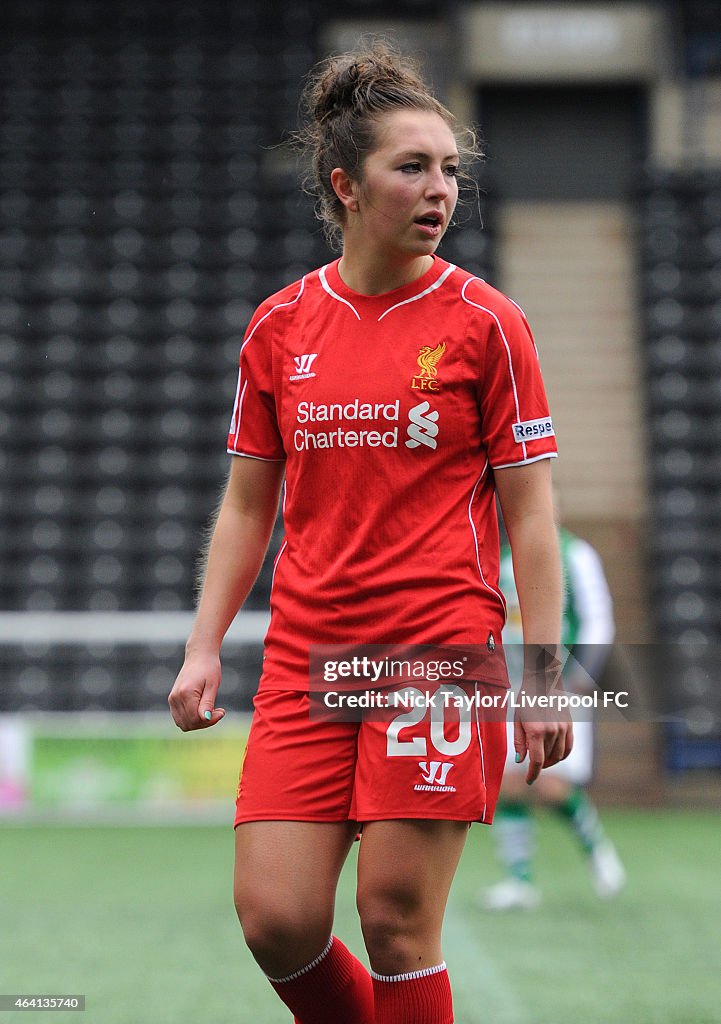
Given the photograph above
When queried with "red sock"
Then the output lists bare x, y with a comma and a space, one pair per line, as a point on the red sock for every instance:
422, 997
332, 988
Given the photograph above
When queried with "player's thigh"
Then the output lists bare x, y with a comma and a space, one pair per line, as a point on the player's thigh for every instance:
551, 789
405, 870
289, 868
553, 782
577, 768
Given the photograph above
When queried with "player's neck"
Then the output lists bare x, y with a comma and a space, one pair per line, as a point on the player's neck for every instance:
371, 276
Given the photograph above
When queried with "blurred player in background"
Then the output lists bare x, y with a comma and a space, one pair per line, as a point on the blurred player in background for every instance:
15, 756
588, 628
396, 394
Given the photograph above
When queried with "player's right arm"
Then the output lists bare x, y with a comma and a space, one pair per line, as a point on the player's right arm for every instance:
238, 545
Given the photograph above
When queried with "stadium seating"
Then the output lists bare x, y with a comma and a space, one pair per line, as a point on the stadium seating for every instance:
111, 676
680, 274
145, 209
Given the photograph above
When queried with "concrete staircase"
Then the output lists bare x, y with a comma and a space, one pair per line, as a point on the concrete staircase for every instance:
570, 267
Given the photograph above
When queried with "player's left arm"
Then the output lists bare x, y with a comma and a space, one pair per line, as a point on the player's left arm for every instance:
526, 500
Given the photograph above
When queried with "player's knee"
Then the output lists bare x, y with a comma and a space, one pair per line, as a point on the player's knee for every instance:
272, 928
268, 934
393, 930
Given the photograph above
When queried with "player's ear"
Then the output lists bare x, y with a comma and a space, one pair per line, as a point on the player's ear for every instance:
345, 188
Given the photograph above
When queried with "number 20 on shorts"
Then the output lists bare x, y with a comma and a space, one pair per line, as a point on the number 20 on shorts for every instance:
422, 703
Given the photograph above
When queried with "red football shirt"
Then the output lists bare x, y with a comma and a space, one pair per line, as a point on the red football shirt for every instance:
391, 412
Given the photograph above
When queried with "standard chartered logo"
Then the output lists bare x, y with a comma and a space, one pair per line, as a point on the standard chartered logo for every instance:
358, 424
423, 426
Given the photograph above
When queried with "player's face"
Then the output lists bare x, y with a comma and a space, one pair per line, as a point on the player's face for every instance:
409, 187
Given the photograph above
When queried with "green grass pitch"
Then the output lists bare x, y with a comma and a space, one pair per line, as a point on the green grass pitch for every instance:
141, 921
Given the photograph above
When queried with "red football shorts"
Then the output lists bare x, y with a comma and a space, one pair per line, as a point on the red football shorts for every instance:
413, 763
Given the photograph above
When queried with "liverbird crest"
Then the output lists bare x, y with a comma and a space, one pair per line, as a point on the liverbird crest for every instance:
429, 358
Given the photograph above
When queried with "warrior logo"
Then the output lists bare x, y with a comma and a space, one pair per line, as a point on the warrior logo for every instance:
434, 775
435, 772
423, 426
303, 366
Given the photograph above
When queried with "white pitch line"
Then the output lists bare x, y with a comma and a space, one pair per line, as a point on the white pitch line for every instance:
487, 994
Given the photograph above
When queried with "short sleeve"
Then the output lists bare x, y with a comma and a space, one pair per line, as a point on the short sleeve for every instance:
516, 423
591, 596
254, 427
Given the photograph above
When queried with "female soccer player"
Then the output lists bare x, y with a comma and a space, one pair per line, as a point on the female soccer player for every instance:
397, 395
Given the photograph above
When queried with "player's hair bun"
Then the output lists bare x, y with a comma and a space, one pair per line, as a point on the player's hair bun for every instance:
336, 92
362, 83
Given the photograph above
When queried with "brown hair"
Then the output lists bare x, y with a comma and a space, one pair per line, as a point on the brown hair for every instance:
342, 99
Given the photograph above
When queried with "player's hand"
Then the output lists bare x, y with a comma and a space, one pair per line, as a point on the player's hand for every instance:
546, 743
192, 699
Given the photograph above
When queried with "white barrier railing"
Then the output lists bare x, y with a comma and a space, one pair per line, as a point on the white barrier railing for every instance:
118, 627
